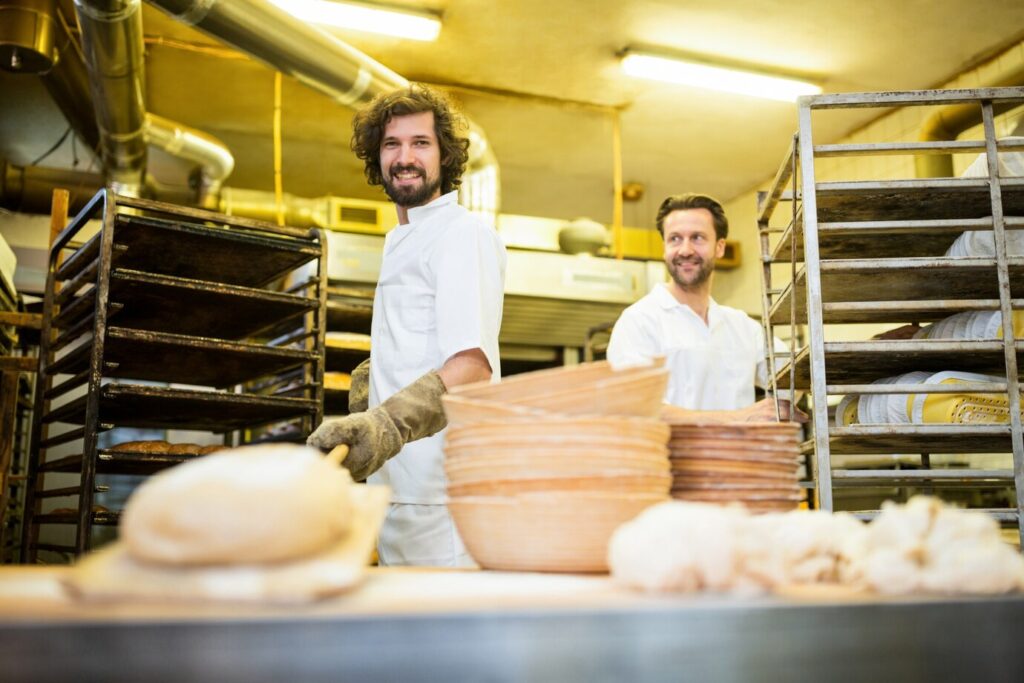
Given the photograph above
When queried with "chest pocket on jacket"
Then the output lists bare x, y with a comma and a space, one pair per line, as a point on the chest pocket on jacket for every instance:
408, 331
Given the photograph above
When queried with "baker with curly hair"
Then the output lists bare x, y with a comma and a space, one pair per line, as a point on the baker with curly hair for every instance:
436, 316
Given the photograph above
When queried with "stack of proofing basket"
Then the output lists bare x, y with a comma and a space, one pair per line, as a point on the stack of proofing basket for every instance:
543, 467
753, 463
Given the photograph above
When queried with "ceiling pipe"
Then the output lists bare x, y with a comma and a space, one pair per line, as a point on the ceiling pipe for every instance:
68, 84
113, 50
28, 42
947, 123
214, 158
328, 65
29, 189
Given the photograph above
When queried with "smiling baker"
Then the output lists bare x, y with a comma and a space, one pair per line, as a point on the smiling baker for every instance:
436, 316
715, 354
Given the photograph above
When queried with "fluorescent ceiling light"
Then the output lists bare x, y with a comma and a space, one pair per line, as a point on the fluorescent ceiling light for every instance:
357, 16
725, 79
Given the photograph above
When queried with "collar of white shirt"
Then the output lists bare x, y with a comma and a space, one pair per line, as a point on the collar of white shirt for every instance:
418, 215
421, 213
665, 299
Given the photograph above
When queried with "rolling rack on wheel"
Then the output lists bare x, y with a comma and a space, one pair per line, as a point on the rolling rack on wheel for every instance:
882, 251
168, 318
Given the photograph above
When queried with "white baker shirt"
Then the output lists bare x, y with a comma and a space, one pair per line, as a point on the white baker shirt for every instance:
440, 291
713, 366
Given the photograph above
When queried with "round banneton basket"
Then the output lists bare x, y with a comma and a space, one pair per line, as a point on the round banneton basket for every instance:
543, 382
589, 389
542, 464
556, 532
610, 481
461, 410
561, 429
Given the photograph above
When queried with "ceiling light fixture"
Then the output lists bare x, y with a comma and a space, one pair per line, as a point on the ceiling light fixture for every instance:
358, 16
688, 72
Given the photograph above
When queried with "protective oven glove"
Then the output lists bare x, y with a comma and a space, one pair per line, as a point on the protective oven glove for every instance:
378, 434
359, 388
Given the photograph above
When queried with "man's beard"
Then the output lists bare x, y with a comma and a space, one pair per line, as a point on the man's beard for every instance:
413, 195
697, 279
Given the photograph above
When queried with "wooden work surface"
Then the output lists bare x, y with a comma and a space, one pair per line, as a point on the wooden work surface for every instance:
479, 625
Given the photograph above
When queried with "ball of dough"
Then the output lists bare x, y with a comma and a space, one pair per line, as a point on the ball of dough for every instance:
679, 546
253, 504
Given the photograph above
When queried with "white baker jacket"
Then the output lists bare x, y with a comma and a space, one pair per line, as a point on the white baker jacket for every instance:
713, 366
440, 291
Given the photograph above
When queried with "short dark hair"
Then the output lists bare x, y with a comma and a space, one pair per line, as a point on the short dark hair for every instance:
369, 123
691, 200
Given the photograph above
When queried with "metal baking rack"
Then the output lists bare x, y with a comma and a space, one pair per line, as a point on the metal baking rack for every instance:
168, 318
874, 251
349, 309
17, 374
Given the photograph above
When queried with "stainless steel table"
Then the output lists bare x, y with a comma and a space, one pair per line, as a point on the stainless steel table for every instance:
488, 626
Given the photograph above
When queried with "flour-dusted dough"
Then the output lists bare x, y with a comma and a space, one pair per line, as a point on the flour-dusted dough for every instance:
802, 547
263, 503
931, 547
684, 547
677, 546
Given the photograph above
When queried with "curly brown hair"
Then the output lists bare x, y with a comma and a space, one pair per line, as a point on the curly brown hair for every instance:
369, 122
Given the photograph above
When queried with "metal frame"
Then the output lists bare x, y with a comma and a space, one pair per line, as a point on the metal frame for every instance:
77, 303
797, 172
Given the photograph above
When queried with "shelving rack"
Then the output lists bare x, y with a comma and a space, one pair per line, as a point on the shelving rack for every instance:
17, 373
349, 309
168, 318
874, 251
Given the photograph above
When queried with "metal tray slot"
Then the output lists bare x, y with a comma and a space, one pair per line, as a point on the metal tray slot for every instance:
130, 405
144, 355
78, 260
72, 362
70, 436
856, 362
914, 438
909, 279
73, 312
61, 389
86, 278
163, 303
203, 252
919, 199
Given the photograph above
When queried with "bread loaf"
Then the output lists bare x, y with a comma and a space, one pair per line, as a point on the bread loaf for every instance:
254, 504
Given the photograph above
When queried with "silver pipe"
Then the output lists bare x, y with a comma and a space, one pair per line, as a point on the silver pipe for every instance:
29, 189
326, 64
214, 158
112, 43
68, 84
947, 123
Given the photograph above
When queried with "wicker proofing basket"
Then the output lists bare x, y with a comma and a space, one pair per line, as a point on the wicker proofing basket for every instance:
561, 532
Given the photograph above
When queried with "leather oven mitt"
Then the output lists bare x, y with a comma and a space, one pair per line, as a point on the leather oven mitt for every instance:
359, 388
378, 434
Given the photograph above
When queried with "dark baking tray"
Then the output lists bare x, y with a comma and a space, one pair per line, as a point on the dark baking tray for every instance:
202, 252
162, 357
162, 303
134, 405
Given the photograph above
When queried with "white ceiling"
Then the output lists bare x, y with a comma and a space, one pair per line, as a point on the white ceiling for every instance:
542, 79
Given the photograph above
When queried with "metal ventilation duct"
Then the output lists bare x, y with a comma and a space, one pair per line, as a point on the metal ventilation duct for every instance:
27, 36
68, 83
324, 63
947, 123
214, 158
112, 43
